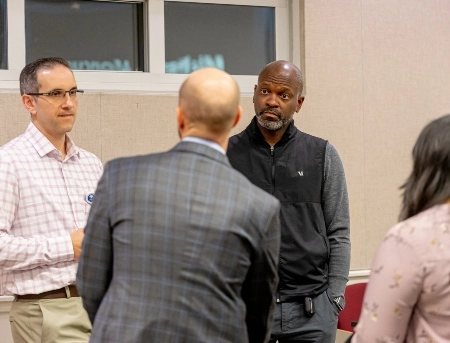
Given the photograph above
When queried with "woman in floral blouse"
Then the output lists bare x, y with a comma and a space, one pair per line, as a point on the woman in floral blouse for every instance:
408, 295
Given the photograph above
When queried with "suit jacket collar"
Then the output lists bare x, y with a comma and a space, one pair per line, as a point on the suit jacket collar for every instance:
202, 149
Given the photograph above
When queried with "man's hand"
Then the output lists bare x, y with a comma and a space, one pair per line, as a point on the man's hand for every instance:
77, 239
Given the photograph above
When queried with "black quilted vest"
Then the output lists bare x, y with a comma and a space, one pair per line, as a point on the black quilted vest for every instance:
292, 171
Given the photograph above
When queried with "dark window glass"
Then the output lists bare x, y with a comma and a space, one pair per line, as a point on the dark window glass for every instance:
91, 35
3, 36
234, 38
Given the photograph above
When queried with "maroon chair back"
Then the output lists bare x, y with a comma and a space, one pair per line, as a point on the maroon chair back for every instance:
349, 316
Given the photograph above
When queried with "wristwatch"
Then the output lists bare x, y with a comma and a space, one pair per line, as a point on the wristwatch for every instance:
340, 303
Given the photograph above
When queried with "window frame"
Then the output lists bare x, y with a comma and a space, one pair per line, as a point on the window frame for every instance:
4, 42
153, 79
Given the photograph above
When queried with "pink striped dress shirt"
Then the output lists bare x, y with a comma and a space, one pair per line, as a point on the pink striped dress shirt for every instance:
42, 200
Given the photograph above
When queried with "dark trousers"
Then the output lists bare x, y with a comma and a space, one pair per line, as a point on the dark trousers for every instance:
291, 323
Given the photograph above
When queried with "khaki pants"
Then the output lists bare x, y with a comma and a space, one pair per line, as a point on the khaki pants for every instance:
50, 321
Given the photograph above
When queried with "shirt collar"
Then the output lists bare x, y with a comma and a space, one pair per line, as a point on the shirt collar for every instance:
204, 142
44, 147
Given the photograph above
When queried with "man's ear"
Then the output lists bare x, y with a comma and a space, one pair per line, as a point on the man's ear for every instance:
300, 103
180, 119
29, 103
238, 116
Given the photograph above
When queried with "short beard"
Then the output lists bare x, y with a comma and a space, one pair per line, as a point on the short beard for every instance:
273, 125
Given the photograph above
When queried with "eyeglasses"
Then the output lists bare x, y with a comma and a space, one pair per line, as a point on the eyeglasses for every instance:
59, 94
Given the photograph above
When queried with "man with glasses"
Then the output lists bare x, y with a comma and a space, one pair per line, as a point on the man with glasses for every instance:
46, 188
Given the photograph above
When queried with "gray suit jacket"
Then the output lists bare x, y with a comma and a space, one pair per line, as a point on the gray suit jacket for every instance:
179, 247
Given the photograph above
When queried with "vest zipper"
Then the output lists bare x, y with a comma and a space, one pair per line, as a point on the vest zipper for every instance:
272, 148
273, 168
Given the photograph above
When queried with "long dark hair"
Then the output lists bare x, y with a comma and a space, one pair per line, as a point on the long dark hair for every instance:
429, 182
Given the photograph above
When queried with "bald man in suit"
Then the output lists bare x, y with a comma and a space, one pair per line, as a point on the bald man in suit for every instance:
180, 247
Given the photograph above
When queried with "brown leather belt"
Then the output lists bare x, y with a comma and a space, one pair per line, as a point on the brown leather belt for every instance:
56, 294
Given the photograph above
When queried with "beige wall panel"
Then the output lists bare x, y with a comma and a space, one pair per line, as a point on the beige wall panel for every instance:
87, 131
248, 112
114, 125
333, 101
137, 124
14, 118
142, 124
406, 70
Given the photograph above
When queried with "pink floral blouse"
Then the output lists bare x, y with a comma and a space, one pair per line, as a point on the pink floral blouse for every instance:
408, 295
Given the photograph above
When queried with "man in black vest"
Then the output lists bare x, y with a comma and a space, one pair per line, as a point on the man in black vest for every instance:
306, 174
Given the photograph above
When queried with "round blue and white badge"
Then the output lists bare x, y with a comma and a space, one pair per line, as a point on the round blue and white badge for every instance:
89, 198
